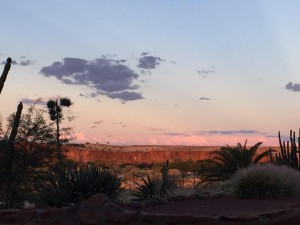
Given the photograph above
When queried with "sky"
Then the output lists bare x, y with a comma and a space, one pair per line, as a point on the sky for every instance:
157, 72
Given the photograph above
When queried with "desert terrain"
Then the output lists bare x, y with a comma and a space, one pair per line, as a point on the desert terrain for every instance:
142, 153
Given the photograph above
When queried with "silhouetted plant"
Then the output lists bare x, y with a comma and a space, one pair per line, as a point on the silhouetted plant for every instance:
265, 181
66, 184
147, 190
5, 73
55, 112
227, 160
289, 152
155, 189
8, 179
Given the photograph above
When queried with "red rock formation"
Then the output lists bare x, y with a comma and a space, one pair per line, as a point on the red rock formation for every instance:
141, 154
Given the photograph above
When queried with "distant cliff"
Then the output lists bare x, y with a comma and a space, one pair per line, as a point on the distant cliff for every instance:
141, 154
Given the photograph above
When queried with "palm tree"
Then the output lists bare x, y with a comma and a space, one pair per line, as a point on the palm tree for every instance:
227, 160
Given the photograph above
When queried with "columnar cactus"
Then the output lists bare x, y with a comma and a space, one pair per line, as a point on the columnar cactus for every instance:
55, 112
289, 151
5, 73
8, 153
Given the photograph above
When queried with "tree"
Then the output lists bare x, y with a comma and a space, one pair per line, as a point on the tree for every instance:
35, 138
227, 160
55, 112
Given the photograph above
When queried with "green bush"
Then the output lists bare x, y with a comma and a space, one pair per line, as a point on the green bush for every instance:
68, 184
265, 181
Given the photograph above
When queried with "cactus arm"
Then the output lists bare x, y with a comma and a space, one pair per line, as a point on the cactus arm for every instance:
4, 75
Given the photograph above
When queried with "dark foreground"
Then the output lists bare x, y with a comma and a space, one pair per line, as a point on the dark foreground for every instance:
179, 211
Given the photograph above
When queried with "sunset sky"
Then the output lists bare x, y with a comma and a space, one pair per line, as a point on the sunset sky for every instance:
194, 72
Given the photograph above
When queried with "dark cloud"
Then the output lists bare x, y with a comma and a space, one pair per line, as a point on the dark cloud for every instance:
293, 87
204, 99
149, 62
125, 95
107, 76
144, 53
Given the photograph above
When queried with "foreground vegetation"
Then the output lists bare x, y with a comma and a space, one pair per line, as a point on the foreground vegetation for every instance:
33, 168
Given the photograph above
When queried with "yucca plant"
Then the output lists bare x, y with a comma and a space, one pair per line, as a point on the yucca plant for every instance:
227, 160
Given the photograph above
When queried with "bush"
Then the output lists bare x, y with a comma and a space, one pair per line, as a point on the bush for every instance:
265, 181
68, 184
155, 188
227, 160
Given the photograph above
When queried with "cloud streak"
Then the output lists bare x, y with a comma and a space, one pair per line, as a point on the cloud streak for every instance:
107, 77
229, 132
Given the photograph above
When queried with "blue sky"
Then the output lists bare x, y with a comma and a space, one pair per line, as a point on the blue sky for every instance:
158, 72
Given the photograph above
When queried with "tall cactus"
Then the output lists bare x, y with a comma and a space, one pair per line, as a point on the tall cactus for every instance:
9, 150
5, 73
289, 151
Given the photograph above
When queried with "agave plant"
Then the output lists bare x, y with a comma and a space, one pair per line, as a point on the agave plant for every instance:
70, 184
147, 190
227, 160
152, 189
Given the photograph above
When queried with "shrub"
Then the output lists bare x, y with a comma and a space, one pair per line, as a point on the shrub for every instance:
227, 160
68, 184
265, 181
147, 190
155, 188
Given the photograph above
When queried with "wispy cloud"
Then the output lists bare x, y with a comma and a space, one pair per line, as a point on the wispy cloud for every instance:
108, 77
29, 101
176, 134
205, 72
228, 132
22, 62
204, 99
26, 62
293, 87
